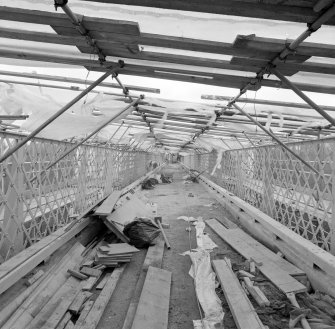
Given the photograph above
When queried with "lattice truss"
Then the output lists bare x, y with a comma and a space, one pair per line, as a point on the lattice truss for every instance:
34, 202
274, 181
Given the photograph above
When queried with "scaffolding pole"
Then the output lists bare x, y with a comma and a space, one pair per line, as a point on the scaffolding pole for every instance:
80, 28
61, 111
276, 139
221, 139
303, 96
250, 141
239, 142
289, 49
106, 123
87, 137
116, 131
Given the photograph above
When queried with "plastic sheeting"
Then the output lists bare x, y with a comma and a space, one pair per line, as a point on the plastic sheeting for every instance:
204, 242
204, 277
80, 119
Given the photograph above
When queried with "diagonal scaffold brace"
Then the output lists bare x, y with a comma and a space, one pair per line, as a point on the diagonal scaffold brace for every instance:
106, 123
271, 67
275, 138
61, 111
302, 95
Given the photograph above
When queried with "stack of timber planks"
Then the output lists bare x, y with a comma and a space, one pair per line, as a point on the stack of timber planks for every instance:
112, 254
21, 264
64, 298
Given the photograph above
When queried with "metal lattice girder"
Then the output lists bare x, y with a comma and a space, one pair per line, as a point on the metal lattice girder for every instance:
30, 210
274, 181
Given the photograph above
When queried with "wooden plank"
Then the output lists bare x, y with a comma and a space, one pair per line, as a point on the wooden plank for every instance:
21, 264
62, 324
70, 325
89, 283
243, 47
244, 314
287, 66
90, 271
102, 283
117, 231
101, 302
78, 302
35, 277
222, 80
108, 205
285, 12
256, 293
77, 274
252, 43
54, 310
257, 248
75, 80
98, 24
154, 258
180, 59
59, 19
38, 298
280, 278
120, 249
206, 46
83, 314
153, 307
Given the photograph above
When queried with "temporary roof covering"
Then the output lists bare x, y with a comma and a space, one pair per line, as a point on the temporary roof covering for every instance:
215, 48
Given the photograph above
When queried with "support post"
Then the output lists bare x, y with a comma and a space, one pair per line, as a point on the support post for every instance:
239, 142
250, 141
303, 96
275, 138
268, 201
13, 185
61, 111
221, 139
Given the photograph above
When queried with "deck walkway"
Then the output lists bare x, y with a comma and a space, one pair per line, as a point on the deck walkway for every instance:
174, 200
